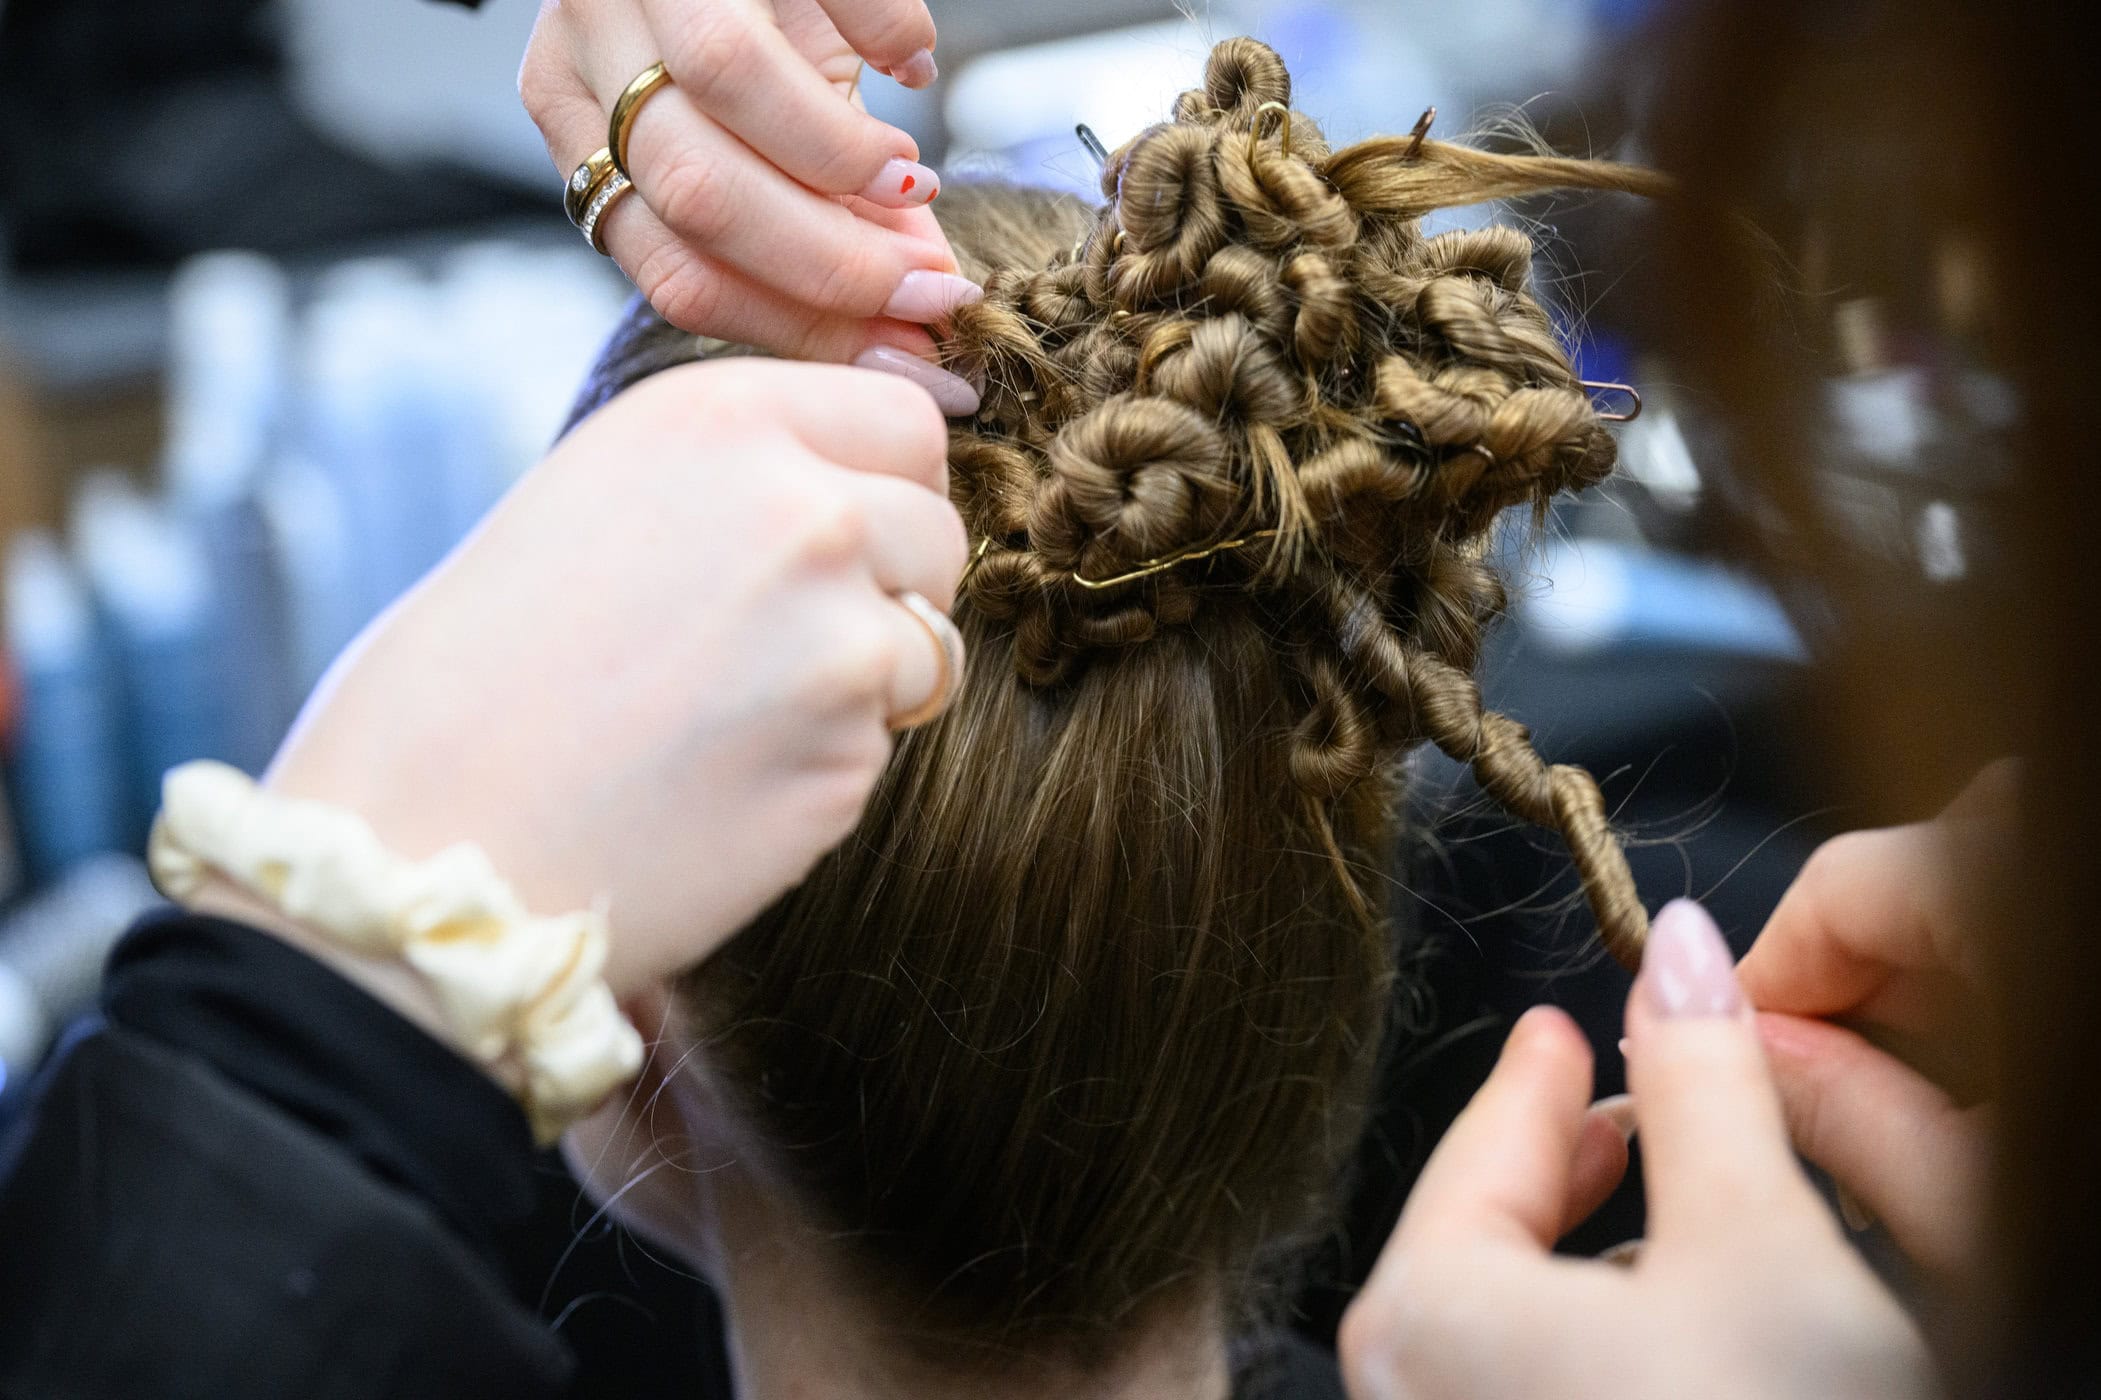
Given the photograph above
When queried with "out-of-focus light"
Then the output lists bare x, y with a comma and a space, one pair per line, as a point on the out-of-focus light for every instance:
1118, 82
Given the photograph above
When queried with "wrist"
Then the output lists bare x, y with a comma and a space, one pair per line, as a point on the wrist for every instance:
444, 940
392, 983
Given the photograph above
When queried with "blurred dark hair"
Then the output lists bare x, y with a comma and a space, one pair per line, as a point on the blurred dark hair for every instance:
1913, 157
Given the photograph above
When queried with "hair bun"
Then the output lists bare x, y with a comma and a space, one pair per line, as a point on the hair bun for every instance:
1255, 384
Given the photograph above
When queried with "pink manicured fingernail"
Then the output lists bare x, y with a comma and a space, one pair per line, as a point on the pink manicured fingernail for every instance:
1618, 1110
1686, 970
926, 297
902, 184
918, 71
954, 396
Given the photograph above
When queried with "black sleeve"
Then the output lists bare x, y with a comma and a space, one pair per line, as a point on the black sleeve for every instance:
252, 1179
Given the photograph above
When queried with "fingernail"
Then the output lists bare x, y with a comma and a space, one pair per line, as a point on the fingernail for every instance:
1686, 970
902, 184
926, 297
1618, 1110
918, 71
954, 396
1858, 1217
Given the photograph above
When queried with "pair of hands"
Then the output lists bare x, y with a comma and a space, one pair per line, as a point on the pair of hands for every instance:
773, 210
1745, 1284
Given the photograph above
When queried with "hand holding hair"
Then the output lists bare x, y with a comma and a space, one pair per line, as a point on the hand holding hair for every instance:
772, 209
1745, 1285
661, 679
1873, 951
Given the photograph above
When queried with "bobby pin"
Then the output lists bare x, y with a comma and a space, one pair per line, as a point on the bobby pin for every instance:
1422, 129
1168, 561
1633, 399
1093, 144
1254, 135
1145, 570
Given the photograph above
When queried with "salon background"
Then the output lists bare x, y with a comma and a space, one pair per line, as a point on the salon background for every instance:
287, 299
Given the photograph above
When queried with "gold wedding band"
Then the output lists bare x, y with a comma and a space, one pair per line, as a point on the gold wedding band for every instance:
585, 182
622, 124
949, 643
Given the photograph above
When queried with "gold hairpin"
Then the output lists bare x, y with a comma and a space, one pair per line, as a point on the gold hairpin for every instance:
977, 557
1145, 570
1633, 397
1254, 135
1167, 561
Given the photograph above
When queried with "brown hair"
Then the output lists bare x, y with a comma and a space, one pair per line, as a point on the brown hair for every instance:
1080, 1020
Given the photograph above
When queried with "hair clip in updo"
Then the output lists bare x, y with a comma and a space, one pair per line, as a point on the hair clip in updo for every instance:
1421, 131
1146, 568
1254, 135
1633, 397
1093, 143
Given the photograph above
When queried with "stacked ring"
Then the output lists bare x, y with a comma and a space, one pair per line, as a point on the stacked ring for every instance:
622, 123
584, 182
593, 224
593, 189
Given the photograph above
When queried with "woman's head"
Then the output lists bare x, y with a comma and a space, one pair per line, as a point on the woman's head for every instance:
1077, 1026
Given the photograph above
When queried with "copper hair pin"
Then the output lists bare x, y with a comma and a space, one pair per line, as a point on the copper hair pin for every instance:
1421, 131
1606, 385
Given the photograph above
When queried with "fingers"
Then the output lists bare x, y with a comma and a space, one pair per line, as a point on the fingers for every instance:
734, 64
895, 36
1597, 1168
1865, 904
914, 538
1503, 1170
1885, 1133
1715, 1152
1870, 903
690, 289
929, 666
870, 422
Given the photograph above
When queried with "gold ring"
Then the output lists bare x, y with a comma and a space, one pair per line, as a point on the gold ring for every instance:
949, 642
584, 182
628, 108
593, 222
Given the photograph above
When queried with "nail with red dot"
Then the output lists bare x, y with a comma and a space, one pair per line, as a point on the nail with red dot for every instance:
901, 184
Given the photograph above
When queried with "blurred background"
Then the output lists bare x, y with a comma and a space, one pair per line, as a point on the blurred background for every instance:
287, 300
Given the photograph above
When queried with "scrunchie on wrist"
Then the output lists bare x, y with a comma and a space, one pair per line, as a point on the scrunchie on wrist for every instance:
509, 985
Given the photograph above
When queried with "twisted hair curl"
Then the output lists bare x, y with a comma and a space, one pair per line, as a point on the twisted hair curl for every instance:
1253, 340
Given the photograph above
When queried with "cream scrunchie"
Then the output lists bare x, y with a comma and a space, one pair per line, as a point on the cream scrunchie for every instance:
507, 982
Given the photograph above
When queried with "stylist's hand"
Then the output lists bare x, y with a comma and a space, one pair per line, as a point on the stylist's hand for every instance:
772, 210
1744, 1288
660, 673
1869, 968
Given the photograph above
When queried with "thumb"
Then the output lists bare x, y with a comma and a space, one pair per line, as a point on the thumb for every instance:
1715, 1150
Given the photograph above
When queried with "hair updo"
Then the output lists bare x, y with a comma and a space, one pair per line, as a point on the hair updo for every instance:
1078, 1024
1253, 342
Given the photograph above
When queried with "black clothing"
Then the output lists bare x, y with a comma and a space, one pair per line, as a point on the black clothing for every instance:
252, 1179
